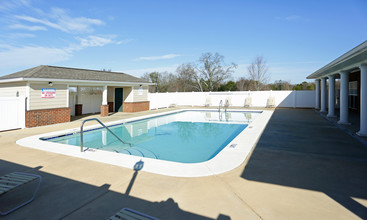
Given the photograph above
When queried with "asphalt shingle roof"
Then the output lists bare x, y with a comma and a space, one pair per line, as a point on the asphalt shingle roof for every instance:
55, 72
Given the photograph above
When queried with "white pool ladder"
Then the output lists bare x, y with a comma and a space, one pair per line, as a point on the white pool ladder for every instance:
225, 106
220, 104
95, 119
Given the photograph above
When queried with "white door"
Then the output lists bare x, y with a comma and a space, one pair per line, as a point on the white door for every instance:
12, 113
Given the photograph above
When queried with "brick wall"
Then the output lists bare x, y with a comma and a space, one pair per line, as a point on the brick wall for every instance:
104, 110
42, 117
135, 106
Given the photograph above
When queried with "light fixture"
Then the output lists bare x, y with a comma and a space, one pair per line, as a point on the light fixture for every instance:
50, 83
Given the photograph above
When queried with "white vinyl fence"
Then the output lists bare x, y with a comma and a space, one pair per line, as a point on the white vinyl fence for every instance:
12, 113
291, 99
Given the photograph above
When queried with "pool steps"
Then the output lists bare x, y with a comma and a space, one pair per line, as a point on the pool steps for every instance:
137, 151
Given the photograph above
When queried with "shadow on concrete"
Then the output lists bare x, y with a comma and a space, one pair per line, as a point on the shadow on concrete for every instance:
301, 149
63, 198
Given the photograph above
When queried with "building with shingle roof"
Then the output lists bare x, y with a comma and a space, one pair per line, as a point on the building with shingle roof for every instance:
53, 94
66, 73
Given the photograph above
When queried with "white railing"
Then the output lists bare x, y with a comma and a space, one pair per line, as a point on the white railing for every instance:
291, 99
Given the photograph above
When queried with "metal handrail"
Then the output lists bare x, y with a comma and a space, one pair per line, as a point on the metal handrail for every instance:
91, 119
220, 104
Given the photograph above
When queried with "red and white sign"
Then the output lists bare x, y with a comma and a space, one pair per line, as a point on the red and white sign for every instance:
48, 93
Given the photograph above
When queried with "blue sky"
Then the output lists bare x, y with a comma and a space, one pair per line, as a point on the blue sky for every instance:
295, 37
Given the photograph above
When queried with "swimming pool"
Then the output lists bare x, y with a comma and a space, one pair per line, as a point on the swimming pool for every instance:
187, 137
230, 152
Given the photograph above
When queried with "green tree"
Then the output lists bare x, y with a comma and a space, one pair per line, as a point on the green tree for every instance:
281, 85
229, 86
304, 86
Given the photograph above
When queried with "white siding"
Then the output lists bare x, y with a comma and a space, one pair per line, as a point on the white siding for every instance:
140, 95
111, 94
128, 94
37, 102
11, 89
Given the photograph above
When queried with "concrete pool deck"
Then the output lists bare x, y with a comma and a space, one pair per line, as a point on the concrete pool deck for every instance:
302, 167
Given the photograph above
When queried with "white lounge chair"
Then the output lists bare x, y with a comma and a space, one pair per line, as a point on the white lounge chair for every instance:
172, 105
14, 180
208, 101
248, 101
271, 102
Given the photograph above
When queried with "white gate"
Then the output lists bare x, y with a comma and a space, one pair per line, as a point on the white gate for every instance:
12, 113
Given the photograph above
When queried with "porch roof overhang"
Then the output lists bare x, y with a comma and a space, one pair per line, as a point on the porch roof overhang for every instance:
349, 61
76, 82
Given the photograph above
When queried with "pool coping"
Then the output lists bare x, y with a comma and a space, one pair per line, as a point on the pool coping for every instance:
230, 157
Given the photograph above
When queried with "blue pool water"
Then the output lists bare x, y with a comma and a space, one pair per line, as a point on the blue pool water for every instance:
187, 137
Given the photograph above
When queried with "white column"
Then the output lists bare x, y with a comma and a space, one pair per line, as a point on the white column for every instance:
27, 95
104, 95
132, 93
323, 95
344, 89
78, 95
67, 95
331, 112
363, 110
317, 82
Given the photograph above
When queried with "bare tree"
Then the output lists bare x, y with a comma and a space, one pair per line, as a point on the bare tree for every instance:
171, 82
244, 84
153, 77
258, 72
281, 85
213, 71
164, 81
187, 78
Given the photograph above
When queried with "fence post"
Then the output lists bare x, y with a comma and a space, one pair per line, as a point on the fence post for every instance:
295, 99
192, 105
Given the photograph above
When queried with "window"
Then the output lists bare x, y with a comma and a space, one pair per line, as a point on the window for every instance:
353, 88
